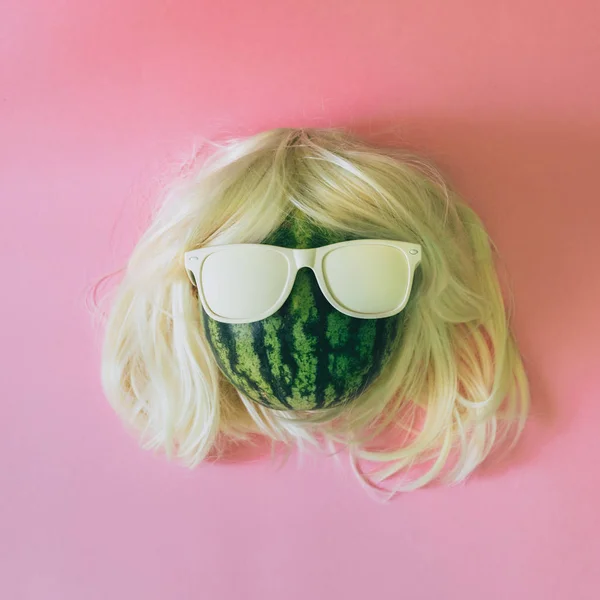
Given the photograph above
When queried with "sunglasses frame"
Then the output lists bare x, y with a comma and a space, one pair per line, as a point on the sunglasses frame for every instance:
297, 259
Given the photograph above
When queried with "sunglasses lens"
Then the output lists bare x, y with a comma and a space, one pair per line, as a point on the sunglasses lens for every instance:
244, 283
369, 279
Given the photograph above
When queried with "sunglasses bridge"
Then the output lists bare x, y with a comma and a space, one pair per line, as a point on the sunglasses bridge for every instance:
305, 257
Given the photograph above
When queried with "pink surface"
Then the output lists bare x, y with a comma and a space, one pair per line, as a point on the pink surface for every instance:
95, 98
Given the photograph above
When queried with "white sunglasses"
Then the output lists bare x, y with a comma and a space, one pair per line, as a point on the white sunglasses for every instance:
243, 283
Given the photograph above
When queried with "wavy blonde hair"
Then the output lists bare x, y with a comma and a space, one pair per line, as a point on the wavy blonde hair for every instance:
452, 391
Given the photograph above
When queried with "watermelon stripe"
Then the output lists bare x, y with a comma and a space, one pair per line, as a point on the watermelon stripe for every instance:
354, 373
304, 345
337, 335
223, 351
323, 349
278, 342
272, 369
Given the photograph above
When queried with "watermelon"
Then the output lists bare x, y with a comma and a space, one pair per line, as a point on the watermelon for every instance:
307, 355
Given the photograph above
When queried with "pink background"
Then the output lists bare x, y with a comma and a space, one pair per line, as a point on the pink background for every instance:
97, 97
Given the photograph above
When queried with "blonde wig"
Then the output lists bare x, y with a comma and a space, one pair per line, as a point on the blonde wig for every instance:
455, 385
